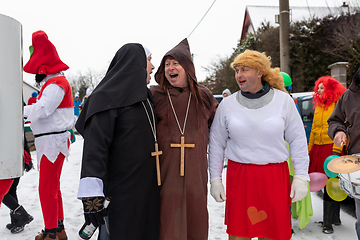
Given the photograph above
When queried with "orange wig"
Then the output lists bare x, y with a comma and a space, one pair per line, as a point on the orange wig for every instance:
332, 91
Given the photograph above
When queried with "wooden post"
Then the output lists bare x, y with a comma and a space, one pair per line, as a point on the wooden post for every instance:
284, 36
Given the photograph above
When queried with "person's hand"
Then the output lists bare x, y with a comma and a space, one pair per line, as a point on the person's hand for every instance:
94, 210
299, 189
340, 139
217, 190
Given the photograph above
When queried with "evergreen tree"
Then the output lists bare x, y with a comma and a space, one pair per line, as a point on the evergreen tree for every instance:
314, 45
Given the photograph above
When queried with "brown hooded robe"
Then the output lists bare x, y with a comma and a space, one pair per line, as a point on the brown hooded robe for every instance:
183, 210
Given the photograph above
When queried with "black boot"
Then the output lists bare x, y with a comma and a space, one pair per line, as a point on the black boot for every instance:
13, 221
60, 231
327, 217
47, 234
22, 218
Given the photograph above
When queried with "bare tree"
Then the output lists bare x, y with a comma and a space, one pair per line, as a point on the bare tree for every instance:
80, 82
345, 40
221, 76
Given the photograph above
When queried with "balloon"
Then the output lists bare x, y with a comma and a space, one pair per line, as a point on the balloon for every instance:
317, 181
327, 171
287, 79
334, 191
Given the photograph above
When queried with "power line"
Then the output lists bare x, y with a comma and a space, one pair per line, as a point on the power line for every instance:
201, 19
307, 4
328, 6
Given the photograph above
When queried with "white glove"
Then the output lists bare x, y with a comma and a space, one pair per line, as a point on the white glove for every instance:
299, 189
217, 190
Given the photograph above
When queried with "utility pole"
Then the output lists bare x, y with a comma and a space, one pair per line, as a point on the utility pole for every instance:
284, 36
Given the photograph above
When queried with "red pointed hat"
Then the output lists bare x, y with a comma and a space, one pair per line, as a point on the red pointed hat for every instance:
45, 59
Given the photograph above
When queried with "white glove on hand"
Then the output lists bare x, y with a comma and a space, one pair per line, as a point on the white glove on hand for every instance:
299, 189
217, 190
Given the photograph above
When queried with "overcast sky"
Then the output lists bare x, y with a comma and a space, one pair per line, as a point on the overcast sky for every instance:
88, 33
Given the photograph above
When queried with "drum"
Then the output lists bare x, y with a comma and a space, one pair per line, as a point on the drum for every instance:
350, 183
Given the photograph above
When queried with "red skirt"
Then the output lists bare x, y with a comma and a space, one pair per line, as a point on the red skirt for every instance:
5, 185
317, 155
258, 200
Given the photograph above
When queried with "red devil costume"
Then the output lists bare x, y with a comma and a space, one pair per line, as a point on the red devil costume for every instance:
51, 116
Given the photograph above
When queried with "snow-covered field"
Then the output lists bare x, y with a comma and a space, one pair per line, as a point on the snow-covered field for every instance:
28, 197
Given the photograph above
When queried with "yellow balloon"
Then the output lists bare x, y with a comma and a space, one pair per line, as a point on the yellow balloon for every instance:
334, 191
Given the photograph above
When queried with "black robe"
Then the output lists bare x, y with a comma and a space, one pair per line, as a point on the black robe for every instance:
118, 142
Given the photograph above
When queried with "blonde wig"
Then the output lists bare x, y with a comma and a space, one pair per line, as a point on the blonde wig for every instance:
261, 62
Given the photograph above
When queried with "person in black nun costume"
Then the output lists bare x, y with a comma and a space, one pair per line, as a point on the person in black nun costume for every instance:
118, 127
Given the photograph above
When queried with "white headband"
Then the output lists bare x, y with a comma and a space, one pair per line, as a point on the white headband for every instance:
147, 51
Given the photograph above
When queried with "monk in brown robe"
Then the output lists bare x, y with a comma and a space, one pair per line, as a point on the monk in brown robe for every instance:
184, 111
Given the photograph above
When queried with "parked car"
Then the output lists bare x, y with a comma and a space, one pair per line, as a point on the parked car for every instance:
218, 97
306, 107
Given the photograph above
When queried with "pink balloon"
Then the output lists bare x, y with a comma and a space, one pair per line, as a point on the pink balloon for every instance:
317, 181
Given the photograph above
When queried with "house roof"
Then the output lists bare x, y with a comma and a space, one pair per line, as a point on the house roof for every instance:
255, 15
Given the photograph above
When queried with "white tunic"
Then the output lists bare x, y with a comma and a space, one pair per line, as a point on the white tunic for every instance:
45, 117
258, 136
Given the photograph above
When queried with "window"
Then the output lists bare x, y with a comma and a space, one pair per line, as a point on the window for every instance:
307, 111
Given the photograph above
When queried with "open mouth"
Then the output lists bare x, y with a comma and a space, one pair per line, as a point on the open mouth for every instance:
241, 82
174, 75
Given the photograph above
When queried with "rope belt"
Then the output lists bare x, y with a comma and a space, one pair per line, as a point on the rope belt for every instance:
49, 133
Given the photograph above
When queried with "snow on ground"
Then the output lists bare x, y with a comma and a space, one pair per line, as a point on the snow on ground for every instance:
28, 197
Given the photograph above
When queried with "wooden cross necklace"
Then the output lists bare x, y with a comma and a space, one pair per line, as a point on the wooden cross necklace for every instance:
157, 152
182, 144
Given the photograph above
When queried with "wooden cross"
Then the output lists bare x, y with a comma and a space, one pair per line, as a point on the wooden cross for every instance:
182, 145
157, 153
